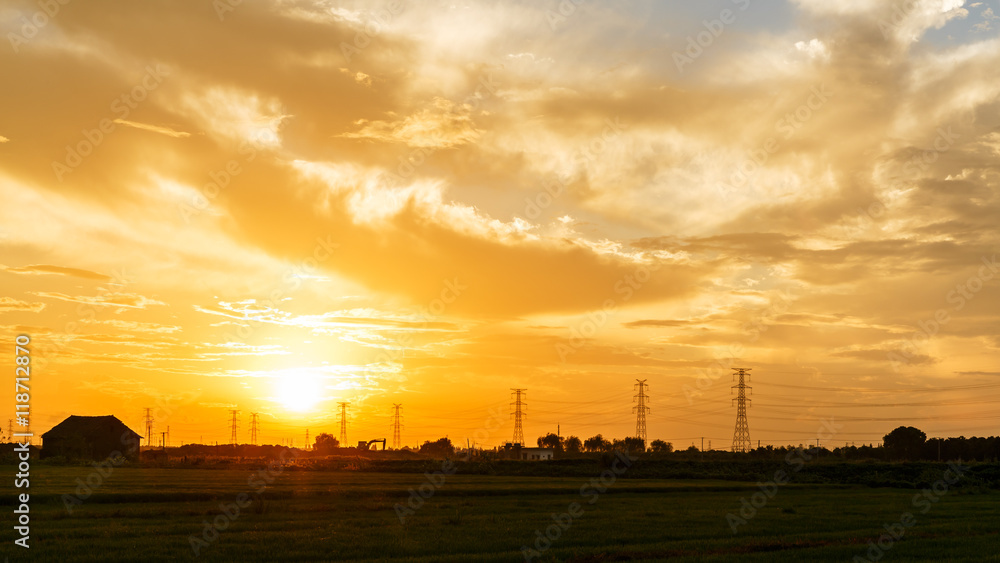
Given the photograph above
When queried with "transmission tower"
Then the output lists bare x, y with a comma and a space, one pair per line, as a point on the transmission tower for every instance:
518, 414
149, 426
253, 428
232, 435
741, 436
397, 425
307, 438
10, 430
343, 424
640, 410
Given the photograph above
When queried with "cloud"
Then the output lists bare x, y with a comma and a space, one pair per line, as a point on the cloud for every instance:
153, 128
127, 300
443, 125
11, 304
40, 269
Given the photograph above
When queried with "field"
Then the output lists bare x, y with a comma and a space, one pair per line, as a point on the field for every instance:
152, 514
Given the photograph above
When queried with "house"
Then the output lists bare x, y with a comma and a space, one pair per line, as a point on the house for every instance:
519, 452
91, 437
535, 454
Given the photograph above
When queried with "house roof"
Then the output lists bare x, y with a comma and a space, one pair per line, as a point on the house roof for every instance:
89, 425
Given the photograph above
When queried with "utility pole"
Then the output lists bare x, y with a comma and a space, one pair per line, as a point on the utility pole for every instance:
397, 424
163, 440
253, 428
232, 435
10, 430
741, 435
343, 423
640, 411
168, 435
149, 426
518, 413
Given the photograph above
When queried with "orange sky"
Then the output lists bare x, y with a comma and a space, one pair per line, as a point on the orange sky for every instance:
289, 204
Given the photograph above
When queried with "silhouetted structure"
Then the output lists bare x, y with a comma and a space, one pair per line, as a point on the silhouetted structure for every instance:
397, 424
518, 404
343, 422
91, 437
741, 436
233, 439
640, 410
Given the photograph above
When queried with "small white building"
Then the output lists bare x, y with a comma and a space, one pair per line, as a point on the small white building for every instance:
535, 454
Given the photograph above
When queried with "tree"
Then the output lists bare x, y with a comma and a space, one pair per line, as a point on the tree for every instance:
573, 445
905, 442
325, 443
596, 444
440, 448
661, 447
551, 440
693, 448
634, 444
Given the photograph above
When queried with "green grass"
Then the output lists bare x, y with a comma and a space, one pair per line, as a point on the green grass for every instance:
149, 514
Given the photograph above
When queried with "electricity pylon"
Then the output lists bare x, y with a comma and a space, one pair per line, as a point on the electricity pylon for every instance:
741, 436
149, 426
640, 410
253, 428
397, 425
343, 424
307, 439
518, 414
232, 435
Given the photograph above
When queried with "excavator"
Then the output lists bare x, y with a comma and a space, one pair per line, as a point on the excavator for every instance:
363, 445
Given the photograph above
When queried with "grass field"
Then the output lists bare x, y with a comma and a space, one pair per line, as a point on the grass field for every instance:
144, 514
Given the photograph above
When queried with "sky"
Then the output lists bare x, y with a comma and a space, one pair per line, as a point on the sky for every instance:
276, 207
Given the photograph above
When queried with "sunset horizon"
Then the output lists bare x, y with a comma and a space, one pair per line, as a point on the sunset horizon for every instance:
734, 226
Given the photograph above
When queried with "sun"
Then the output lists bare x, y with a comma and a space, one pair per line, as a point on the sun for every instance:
298, 390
